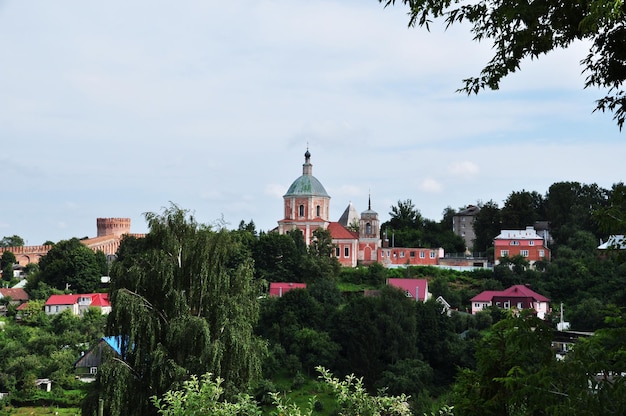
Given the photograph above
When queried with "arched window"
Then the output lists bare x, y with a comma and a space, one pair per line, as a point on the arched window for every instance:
368, 228
302, 210
319, 210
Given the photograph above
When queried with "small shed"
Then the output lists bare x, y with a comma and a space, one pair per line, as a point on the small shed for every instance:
86, 367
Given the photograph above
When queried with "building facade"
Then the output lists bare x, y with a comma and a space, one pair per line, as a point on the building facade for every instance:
526, 243
463, 225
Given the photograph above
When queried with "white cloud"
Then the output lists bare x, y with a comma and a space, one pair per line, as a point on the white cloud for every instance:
464, 169
430, 185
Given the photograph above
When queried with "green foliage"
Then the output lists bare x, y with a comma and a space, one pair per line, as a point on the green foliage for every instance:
12, 241
184, 303
203, 397
71, 264
521, 30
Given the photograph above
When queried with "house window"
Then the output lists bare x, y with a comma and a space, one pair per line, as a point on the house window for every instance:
302, 210
531, 243
346, 251
402, 254
422, 255
432, 254
507, 304
524, 253
504, 253
337, 251
477, 305
319, 210
93, 370
542, 253
519, 305
515, 243
412, 254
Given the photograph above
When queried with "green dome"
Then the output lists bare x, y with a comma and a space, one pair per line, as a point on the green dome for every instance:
306, 185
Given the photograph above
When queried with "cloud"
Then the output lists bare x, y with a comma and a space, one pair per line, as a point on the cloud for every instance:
430, 185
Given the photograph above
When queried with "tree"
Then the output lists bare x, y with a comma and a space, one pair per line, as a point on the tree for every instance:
514, 363
487, 225
6, 265
12, 241
520, 30
522, 209
184, 305
71, 265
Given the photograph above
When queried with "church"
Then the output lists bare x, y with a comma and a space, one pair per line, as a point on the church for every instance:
307, 208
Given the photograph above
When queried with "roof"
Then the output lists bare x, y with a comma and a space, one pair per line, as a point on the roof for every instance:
100, 299
516, 291
349, 216
115, 343
470, 211
339, 232
97, 299
16, 294
528, 234
411, 286
279, 288
614, 242
307, 184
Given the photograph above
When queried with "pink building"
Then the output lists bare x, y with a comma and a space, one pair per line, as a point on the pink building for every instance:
516, 297
279, 288
414, 288
526, 243
402, 256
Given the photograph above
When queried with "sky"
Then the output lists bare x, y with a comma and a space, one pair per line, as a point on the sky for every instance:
117, 108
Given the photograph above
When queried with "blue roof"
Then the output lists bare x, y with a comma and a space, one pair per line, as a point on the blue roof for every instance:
115, 343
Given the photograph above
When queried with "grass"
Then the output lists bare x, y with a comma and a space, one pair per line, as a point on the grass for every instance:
23, 411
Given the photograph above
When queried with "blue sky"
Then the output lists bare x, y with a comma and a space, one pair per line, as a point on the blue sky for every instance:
115, 109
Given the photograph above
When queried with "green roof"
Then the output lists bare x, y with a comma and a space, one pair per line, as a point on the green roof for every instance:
307, 185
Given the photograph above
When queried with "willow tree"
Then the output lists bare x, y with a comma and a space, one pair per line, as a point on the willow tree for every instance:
184, 304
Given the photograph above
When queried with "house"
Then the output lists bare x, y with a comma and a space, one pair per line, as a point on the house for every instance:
516, 297
402, 256
414, 288
16, 296
279, 288
87, 365
78, 304
526, 243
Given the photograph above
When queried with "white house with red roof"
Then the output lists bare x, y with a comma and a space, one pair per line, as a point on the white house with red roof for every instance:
526, 243
516, 297
414, 288
78, 304
278, 289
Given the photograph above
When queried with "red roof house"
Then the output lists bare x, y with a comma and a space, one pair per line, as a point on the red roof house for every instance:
280, 288
414, 288
77, 303
516, 297
17, 295
526, 243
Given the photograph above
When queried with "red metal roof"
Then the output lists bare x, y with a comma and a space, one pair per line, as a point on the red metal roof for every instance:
339, 232
279, 288
97, 299
411, 286
517, 291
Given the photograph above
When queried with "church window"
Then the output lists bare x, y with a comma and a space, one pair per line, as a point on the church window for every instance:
346, 251
302, 210
319, 210
368, 228
337, 252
